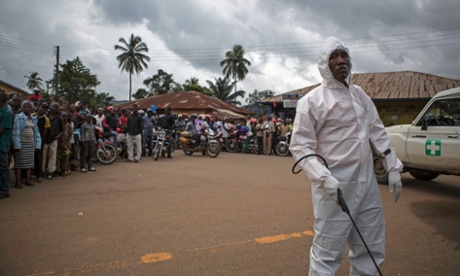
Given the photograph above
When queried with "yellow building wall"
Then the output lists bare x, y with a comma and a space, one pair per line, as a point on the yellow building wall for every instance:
395, 113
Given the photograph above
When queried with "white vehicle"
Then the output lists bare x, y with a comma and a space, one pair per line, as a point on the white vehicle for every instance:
430, 146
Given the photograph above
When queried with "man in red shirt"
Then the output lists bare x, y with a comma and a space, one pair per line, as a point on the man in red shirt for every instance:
36, 96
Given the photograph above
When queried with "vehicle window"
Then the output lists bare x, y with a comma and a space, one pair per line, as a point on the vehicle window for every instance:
442, 113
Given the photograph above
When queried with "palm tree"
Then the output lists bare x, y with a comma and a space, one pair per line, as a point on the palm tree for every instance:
222, 88
132, 59
33, 80
235, 64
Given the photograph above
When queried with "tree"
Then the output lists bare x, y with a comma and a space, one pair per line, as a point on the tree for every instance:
235, 64
254, 99
193, 84
76, 82
33, 80
257, 96
142, 93
161, 83
132, 59
222, 89
104, 99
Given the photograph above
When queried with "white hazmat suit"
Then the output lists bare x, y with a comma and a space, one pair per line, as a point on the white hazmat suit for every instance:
338, 123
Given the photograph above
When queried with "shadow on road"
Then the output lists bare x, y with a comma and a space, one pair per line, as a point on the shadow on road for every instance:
433, 187
443, 215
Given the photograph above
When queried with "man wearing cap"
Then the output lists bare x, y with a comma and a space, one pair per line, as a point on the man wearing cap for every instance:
36, 96
134, 129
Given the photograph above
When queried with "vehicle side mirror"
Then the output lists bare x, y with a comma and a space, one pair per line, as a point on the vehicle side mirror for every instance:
424, 124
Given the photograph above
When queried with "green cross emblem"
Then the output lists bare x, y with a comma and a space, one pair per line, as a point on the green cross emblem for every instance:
433, 147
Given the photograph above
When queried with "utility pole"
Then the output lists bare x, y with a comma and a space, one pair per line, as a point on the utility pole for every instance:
56, 73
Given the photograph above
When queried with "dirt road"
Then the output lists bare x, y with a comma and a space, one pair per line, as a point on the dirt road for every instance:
194, 215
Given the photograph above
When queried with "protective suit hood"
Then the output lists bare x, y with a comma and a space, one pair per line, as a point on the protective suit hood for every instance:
331, 44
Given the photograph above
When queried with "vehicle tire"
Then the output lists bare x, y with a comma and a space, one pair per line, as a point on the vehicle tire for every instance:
381, 173
232, 145
282, 149
213, 150
421, 175
173, 145
157, 151
108, 156
188, 152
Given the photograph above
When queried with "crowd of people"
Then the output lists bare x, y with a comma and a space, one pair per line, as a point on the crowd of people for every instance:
43, 140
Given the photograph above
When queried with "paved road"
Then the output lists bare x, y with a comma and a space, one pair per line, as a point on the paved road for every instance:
194, 215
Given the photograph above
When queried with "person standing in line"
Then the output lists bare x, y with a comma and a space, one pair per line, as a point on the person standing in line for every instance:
43, 124
6, 127
339, 122
65, 145
168, 126
134, 127
51, 141
267, 139
26, 138
147, 135
260, 135
88, 144
99, 117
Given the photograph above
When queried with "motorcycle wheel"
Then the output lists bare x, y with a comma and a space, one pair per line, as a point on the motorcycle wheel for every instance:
173, 145
157, 151
232, 146
213, 150
188, 152
282, 149
108, 156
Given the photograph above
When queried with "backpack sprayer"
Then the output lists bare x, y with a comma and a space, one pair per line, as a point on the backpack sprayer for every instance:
342, 203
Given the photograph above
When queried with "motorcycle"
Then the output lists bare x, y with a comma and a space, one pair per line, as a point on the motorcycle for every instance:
236, 143
161, 140
208, 143
106, 152
282, 148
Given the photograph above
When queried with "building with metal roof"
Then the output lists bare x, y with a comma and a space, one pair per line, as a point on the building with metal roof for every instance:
398, 96
188, 103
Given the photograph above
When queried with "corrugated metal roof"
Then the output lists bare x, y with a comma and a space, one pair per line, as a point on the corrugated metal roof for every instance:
391, 86
191, 100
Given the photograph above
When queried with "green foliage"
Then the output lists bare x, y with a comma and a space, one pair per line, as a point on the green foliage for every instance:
132, 60
257, 96
76, 83
161, 83
33, 80
222, 89
235, 64
193, 84
104, 99
142, 93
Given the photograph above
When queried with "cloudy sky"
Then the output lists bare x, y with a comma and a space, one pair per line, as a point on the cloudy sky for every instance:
188, 38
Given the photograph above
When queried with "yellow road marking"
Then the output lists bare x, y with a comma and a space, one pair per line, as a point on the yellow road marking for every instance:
283, 237
165, 256
156, 257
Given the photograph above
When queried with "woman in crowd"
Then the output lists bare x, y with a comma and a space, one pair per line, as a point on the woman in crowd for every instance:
26, 138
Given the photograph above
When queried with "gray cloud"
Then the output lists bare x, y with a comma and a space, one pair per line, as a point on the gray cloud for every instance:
189, 38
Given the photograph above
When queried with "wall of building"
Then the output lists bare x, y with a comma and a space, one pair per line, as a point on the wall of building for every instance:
395, 113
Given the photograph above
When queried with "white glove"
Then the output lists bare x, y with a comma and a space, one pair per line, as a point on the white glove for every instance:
394, 182
331, 185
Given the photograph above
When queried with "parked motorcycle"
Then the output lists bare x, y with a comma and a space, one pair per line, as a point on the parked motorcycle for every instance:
208, 143
282, 148
106, 152
236, 143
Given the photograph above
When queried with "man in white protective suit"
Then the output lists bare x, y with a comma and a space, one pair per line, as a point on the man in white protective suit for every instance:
338, 121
